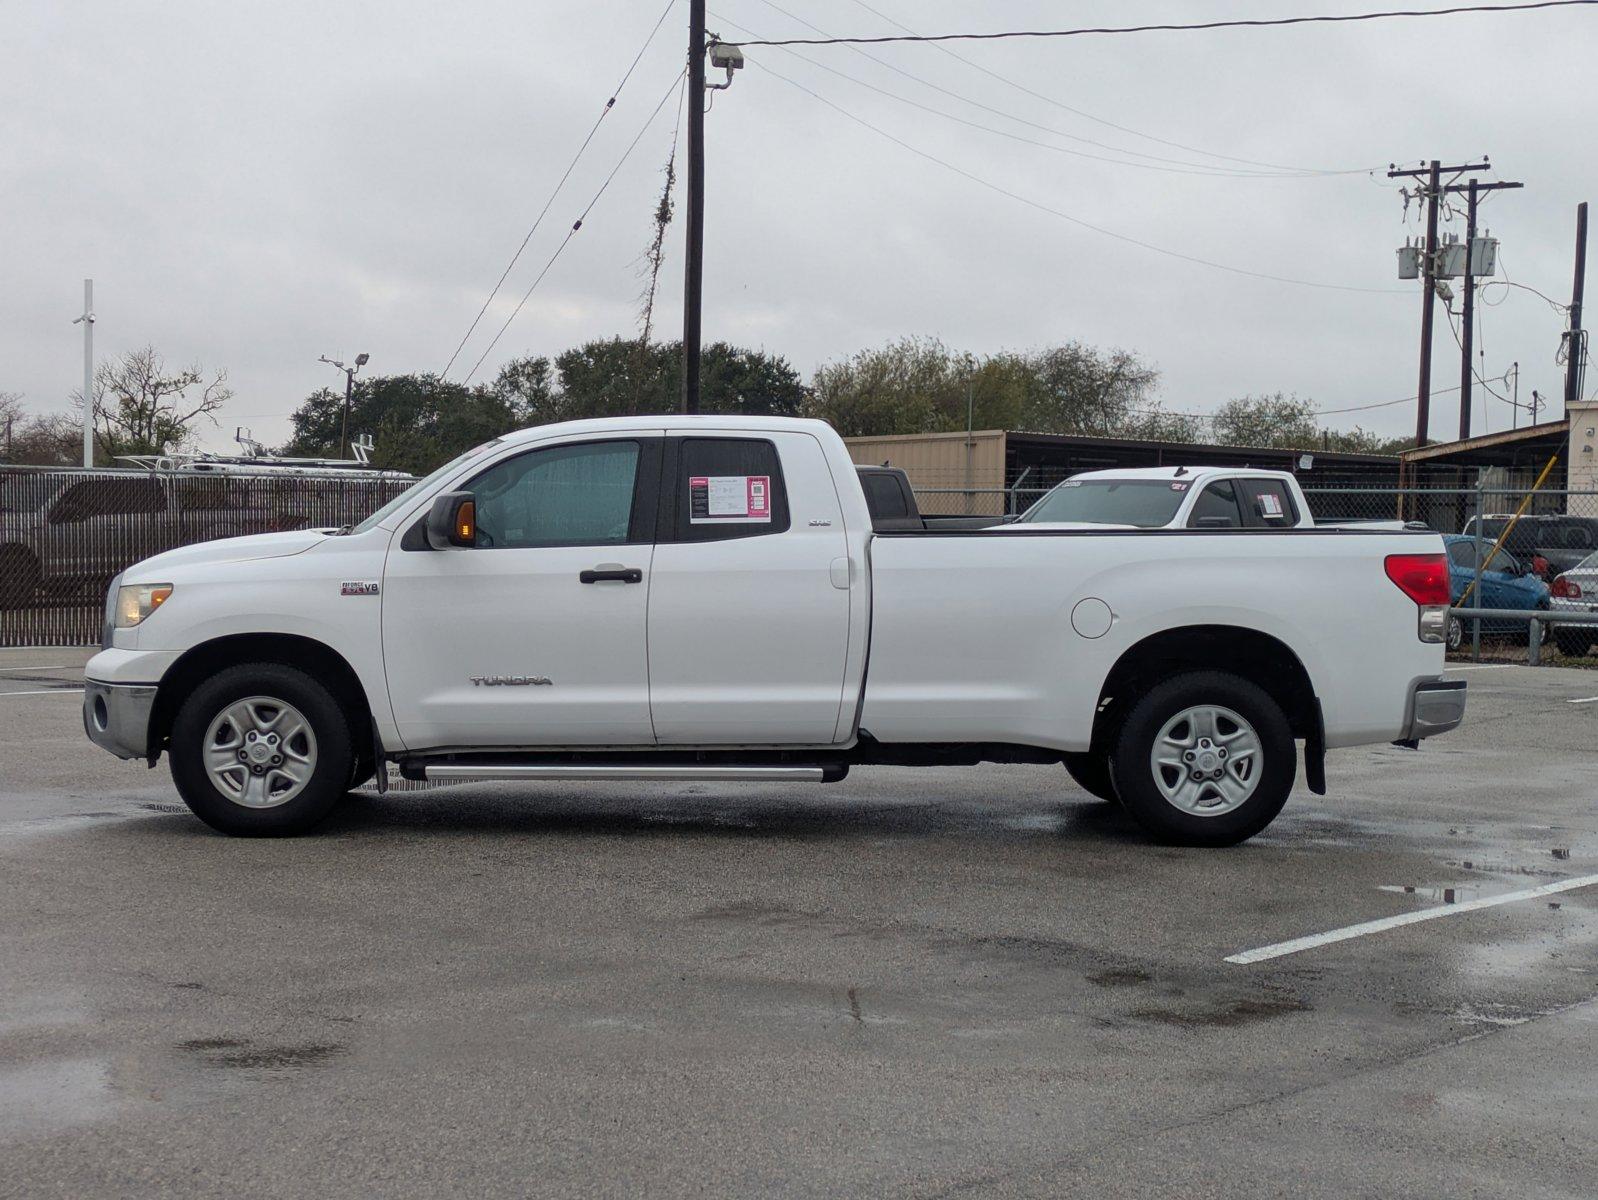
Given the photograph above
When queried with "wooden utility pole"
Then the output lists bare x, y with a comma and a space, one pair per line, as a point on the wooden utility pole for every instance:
1467, 340
694, 264
1575, 347
1432, 173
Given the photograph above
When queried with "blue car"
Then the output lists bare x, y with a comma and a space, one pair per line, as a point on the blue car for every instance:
1505, 584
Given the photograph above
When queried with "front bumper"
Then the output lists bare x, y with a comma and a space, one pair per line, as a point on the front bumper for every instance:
116, 716
1435, 706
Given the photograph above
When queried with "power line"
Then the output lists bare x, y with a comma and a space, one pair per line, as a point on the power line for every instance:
1176, 165
561, 183
1087, 116
1258, 23
1065, 216
1188, 169
578, 224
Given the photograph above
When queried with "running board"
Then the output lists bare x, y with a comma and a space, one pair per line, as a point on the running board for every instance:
703, 773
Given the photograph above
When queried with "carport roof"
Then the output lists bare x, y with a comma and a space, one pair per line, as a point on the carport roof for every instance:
1511, 448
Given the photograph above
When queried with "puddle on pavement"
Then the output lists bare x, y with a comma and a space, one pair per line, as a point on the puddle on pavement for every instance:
1224, 1016
44, 1096
244, 1054
1453, 893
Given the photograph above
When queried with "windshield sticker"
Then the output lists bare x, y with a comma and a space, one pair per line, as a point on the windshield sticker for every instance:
1270, 504
729, 499
1179, 487
1072, 483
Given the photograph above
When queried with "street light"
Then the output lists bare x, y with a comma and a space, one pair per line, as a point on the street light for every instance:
349, 387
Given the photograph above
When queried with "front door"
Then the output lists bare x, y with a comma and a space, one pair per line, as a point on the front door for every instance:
536, 635
749, 601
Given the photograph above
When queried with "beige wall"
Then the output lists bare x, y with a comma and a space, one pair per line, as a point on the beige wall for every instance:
934, 460
1582, 465
971, 463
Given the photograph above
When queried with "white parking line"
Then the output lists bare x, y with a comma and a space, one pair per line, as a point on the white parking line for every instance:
47, 692
51, 667
1482, 667
1426, 914
1584, 700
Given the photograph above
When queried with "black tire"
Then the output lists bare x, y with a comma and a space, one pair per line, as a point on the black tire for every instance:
1092, 775
1573, 643
1135, 773
334, 753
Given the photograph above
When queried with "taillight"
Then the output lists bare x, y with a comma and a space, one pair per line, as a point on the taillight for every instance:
1421, 577
1566, 589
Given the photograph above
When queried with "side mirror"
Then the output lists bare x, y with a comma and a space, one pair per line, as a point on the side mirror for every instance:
452, 521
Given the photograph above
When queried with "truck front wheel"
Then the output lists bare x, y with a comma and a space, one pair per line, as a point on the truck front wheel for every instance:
1205, 759
261, 750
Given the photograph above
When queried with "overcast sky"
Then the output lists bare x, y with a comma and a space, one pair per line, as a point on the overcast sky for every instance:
253, 185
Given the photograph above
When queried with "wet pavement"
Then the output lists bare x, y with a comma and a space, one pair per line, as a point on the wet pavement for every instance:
973, 982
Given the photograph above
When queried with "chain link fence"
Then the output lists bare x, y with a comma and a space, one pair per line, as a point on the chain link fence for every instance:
64, 535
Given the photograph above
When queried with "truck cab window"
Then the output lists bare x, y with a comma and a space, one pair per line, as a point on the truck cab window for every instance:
725, 488
1216, 507
575, 495
1267, 504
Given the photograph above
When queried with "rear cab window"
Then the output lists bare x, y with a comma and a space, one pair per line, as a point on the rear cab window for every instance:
1267, 504
720, 488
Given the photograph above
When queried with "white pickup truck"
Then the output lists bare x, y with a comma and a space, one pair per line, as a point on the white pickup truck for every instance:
691, 598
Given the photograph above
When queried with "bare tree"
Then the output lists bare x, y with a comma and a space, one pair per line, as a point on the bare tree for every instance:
141, 408
37, 439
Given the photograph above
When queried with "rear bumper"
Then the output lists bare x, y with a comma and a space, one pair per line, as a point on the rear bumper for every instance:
1435, 706
116, 716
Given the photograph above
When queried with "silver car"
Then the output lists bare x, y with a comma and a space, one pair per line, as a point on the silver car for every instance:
1576, 590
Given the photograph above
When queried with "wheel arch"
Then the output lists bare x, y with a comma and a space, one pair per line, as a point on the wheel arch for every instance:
315, 658
1262, 659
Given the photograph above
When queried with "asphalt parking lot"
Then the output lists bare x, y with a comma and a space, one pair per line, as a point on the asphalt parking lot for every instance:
973, 982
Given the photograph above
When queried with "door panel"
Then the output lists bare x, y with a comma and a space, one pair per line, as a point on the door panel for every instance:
504, 644
748, 630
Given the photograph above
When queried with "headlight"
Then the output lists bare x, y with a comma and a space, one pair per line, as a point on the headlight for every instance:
136, 601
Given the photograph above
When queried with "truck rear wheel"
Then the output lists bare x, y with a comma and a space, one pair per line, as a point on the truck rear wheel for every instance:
261, 750
1205, 759
1092, 775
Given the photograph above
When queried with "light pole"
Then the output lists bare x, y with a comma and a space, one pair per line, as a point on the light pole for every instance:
87, 321
349, 388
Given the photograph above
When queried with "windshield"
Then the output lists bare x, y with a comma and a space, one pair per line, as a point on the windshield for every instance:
420, 487
1144, 503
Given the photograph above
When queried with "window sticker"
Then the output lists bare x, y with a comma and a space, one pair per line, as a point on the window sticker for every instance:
729, 499
1179, 487
1270, 504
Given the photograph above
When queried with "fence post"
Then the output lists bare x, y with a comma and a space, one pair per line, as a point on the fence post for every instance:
1475, 591
1534, 643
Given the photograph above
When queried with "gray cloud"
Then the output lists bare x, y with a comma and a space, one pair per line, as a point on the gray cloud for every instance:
255, 185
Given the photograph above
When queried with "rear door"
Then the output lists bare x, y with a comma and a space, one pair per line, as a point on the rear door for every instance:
749, 600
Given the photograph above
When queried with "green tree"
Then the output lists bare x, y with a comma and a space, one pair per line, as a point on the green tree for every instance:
1284, 421
416, 421
419, 421
613, 377
919, 385
1277, 419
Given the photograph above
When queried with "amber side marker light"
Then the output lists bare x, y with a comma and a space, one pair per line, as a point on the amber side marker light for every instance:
466, 522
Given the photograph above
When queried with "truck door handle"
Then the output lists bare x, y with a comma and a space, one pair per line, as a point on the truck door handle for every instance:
607, 572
